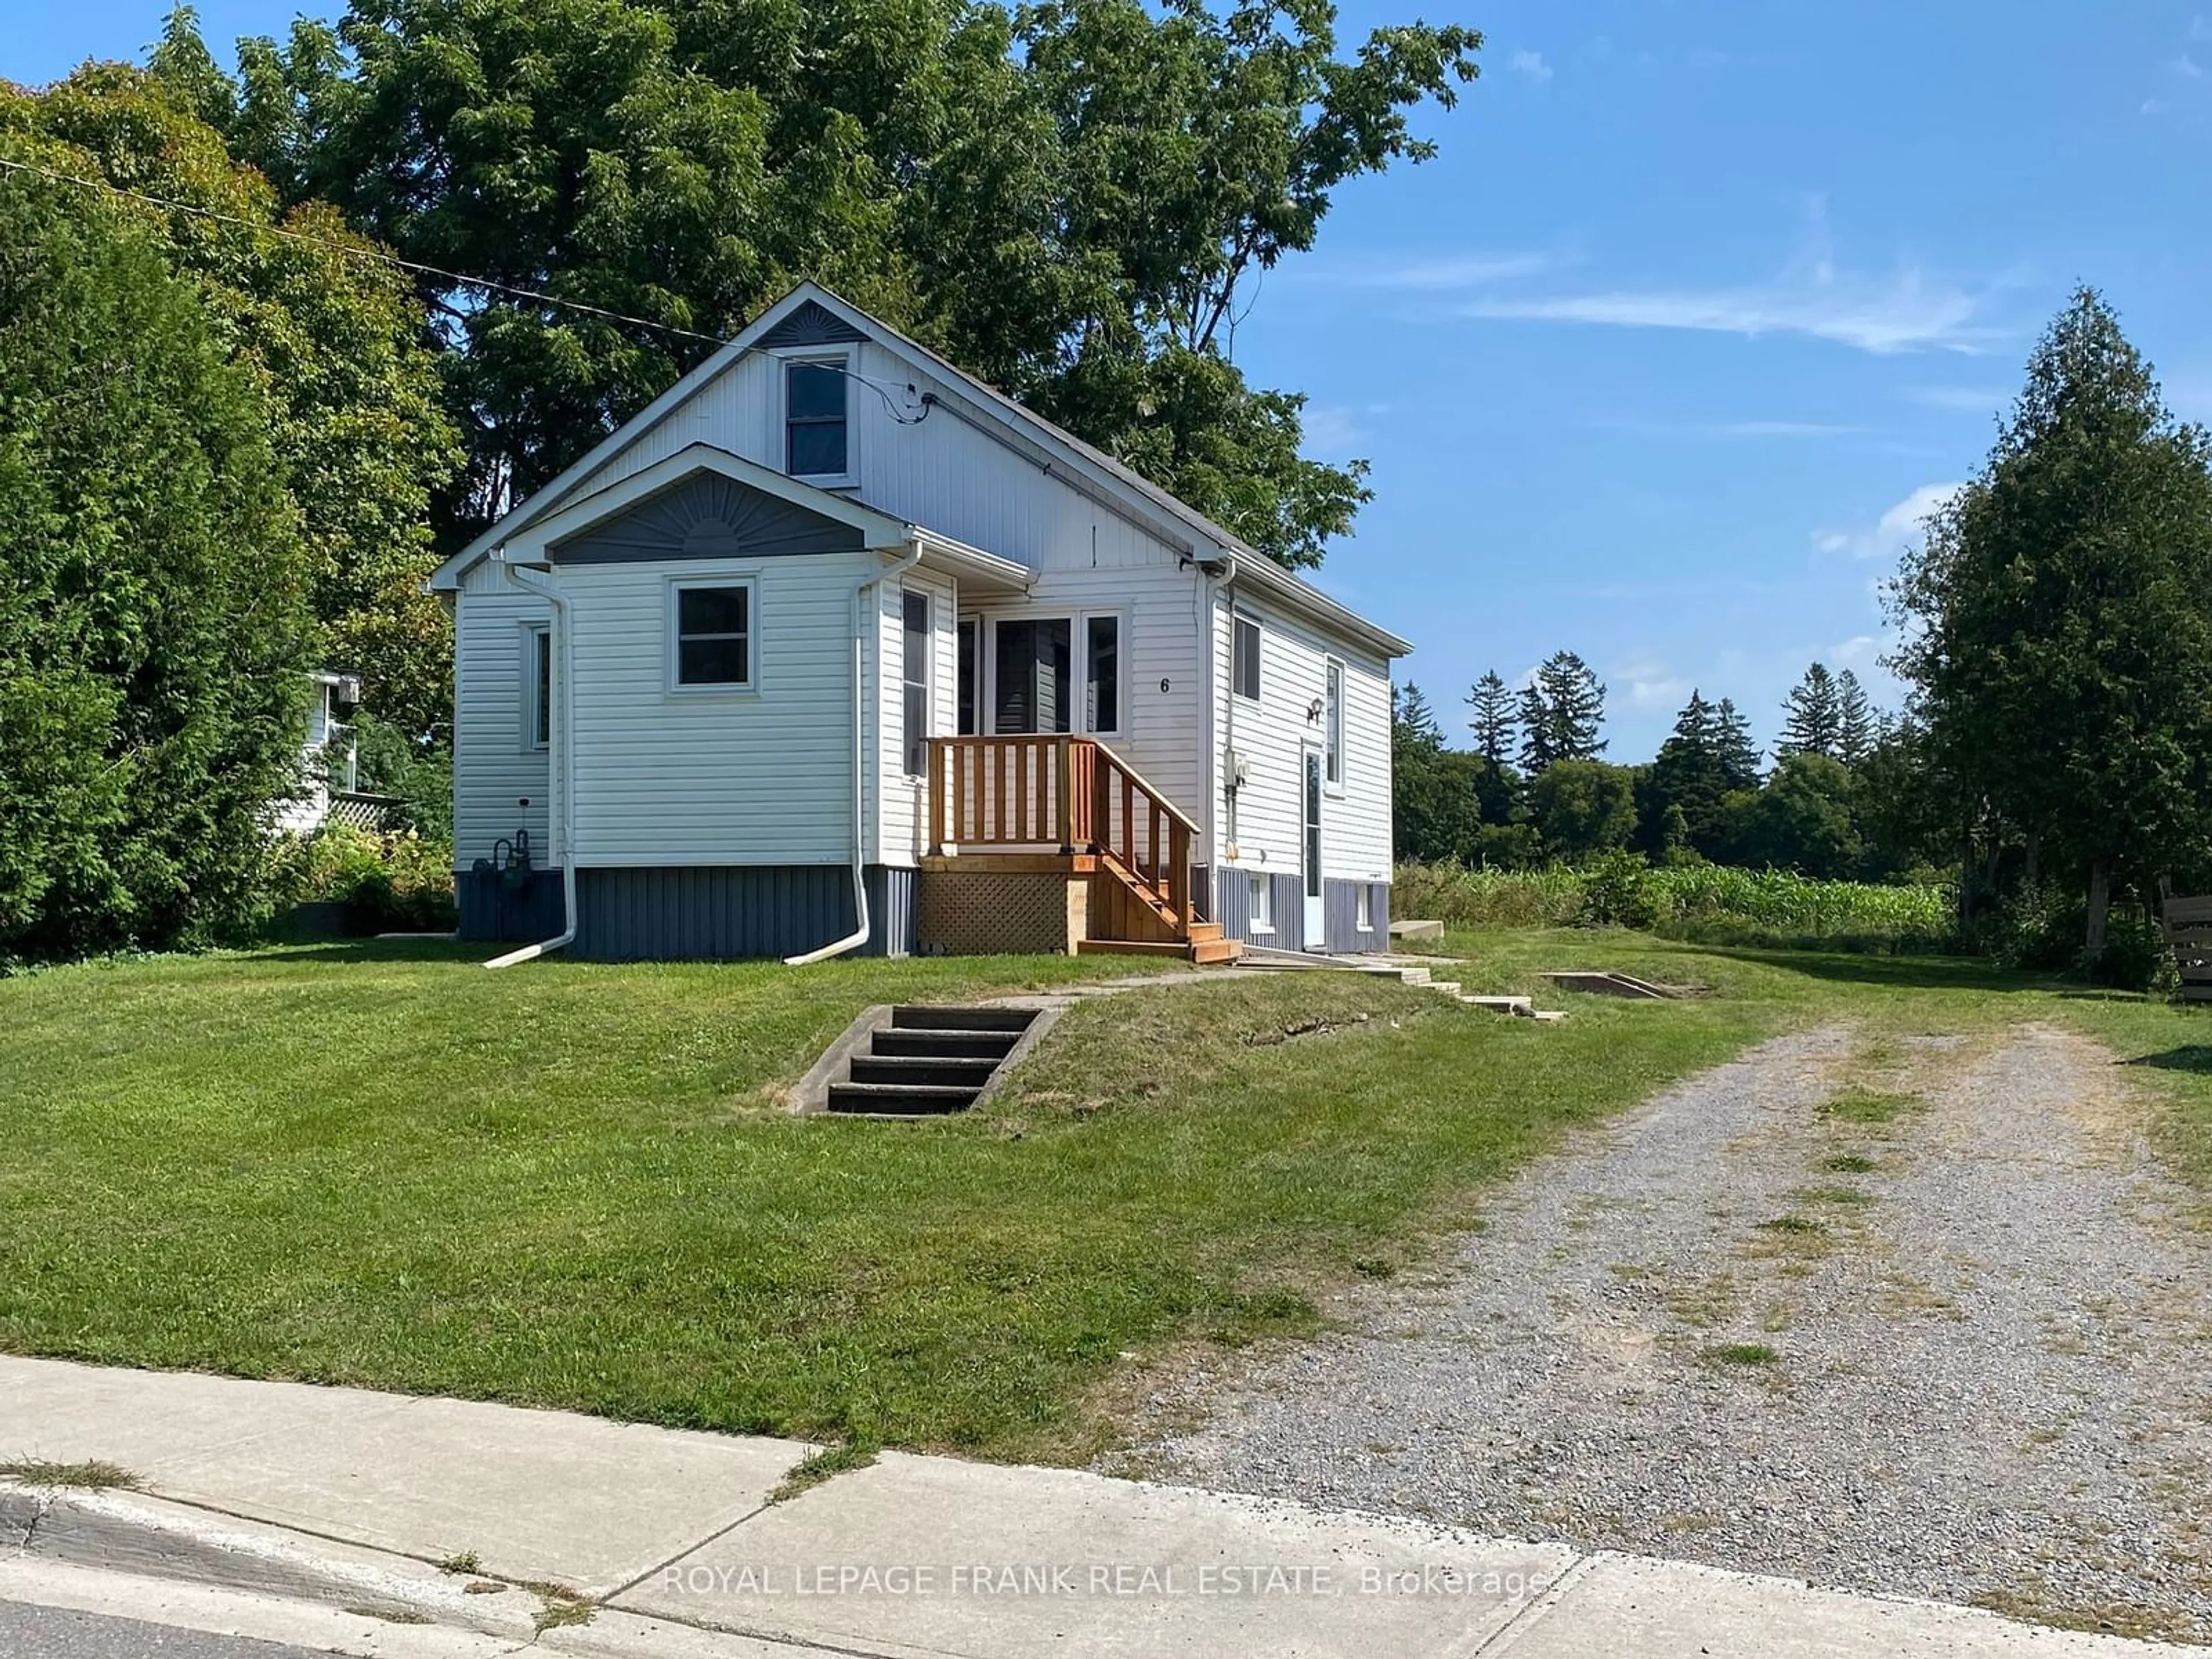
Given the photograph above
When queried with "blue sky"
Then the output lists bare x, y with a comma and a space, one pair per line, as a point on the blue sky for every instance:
1701, 306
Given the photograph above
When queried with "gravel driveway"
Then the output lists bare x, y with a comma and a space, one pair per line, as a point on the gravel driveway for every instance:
1964, 1353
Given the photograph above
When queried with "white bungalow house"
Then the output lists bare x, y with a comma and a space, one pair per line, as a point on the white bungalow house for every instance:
833, 646
327, 758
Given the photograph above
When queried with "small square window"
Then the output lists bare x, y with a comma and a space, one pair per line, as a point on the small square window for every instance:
714, 635
1263, 902
1245, 671
814, 440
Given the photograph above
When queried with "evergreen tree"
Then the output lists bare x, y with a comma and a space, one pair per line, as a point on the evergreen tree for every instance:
1493, 720
1562, 710
1857, 730
1687, 780
153, 624
1412, 719
1812, 716
2061, 604
1740, 756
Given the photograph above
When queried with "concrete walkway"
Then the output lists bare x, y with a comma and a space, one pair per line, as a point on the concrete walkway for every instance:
365, 1515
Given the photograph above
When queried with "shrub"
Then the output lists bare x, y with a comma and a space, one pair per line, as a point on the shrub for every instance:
394, 882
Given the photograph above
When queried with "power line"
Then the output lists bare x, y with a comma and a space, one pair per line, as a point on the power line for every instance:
511, 290
377, 254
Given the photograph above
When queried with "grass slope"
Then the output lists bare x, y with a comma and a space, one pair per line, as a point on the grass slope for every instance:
562, 1185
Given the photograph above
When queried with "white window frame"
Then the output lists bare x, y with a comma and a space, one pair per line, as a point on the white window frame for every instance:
536, 636
1260, 907
750, 686
1078, 624
1238, 619
1363, 909
842, 362
928, 681
1334, 763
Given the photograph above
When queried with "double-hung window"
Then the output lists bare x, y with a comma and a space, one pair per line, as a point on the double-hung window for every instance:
1244, 669
713, 625
537, 686
915, 671
816, 443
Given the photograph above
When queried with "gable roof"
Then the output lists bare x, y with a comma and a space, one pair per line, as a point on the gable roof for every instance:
811, 315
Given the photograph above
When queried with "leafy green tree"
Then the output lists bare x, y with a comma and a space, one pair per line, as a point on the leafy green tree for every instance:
1562, 711
334, 341
2061, 645
1812, 716
1583, 807
1804, 819
1074, 199
153, 624
1857, 726
1494, 719
1740, 756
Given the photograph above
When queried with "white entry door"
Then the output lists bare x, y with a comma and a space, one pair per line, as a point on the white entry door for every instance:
1316, 930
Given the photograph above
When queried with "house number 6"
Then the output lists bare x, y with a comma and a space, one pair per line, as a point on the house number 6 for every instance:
1163, 682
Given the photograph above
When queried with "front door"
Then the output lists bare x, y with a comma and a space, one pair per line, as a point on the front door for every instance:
1316, 931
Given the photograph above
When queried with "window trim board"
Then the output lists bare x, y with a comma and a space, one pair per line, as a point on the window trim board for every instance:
673, 683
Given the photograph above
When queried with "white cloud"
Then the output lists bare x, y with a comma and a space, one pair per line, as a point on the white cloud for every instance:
1905, 313
1530, 64
1446, 274
1895, 532
1334, 431
1860, 648
1973, 398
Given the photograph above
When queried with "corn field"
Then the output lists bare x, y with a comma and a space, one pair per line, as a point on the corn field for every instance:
1700, 901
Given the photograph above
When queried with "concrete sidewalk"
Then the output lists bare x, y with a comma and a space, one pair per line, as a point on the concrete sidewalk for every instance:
504, 1526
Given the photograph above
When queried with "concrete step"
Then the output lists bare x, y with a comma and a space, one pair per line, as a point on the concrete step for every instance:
902, 1099
916, 1016
962, 1070
1520, 1005
945, 1044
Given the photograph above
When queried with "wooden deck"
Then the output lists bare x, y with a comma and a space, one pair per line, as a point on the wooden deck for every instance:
1052, 804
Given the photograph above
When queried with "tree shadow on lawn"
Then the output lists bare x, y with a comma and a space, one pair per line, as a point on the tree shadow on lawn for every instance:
385, 950
2194, 1057
1904, 973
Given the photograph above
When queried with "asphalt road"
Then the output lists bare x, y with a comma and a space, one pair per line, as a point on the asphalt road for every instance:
36, 1633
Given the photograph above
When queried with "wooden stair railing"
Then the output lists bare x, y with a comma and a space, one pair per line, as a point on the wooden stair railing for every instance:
1073, 793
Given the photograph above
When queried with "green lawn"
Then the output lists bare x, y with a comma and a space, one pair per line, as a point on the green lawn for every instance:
566, 1184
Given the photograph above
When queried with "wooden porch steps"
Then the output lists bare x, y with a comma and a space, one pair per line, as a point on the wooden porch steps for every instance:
1204, 945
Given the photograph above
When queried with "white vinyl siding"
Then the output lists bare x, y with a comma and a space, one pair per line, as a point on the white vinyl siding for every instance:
495, 765
680, 778
935, 471
1273, 732
901, 815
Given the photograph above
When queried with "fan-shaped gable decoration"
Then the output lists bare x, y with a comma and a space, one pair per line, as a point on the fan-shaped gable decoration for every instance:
810, 324
706, 515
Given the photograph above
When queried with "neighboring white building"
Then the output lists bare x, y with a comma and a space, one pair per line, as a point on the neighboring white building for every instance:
833, 621
327, 758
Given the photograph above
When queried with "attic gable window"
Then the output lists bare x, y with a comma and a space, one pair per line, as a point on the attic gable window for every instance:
815, 438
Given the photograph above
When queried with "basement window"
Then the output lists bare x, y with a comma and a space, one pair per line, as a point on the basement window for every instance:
1263, 902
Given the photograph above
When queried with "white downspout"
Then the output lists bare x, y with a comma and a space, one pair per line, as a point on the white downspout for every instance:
861, 614
563, 706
